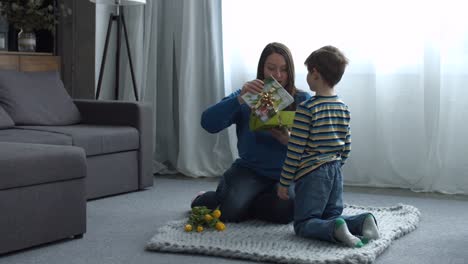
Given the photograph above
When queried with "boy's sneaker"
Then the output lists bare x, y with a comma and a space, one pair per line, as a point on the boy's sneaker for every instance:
197, 195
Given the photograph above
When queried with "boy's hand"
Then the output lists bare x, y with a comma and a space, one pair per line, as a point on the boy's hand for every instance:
283, 192
281, 134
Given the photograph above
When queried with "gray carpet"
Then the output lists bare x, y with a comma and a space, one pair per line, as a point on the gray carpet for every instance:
119, 228
261, 241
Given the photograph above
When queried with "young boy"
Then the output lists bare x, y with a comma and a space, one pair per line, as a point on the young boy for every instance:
319, 145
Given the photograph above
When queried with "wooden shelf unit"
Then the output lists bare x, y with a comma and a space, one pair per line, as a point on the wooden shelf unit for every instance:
29, 61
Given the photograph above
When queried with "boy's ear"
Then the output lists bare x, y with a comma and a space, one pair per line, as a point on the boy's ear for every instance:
315, 74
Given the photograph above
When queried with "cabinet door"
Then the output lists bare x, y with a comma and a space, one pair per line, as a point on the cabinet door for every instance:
39, 63
28, 63
9, 62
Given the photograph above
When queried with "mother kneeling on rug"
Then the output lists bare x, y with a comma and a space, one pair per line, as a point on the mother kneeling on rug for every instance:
248, 188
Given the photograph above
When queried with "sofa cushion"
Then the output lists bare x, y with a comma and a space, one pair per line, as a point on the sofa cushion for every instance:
34, 136
5, 119
29, 164
36, 98
96, 139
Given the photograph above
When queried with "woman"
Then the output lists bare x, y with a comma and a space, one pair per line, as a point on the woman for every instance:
248, 188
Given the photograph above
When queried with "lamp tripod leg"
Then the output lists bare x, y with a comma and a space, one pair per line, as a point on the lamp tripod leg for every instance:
103, 62
135, 90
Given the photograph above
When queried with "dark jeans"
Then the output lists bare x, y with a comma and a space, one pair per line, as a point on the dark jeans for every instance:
242, 194
319, 201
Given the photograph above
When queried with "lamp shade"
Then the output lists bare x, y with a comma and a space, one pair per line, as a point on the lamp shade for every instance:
119, 2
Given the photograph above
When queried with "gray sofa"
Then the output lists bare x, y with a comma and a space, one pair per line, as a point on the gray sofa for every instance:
56, 153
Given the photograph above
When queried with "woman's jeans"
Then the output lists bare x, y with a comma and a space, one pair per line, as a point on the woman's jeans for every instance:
319, 201
242, 194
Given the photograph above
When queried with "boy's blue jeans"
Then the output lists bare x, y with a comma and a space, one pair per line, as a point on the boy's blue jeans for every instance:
242, 194
319, 201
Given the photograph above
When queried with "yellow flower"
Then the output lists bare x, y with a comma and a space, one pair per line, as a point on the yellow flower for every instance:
199, 228
188, 228
208, 217
220, 226
216, 213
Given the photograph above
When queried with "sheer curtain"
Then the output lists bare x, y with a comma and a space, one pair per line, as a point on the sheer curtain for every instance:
406, 84
181, 72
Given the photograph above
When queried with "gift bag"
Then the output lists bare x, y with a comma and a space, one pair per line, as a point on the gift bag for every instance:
283, 119
270, 101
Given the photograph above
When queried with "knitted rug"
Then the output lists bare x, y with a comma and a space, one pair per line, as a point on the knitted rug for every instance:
261, 241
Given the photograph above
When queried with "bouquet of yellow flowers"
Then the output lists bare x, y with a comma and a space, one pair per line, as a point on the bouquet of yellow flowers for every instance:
201, 217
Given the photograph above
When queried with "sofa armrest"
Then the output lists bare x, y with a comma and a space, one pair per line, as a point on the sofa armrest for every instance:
116, 113
121, 113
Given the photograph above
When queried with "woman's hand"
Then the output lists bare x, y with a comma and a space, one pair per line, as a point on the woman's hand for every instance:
281, 134
283, 192
255, 87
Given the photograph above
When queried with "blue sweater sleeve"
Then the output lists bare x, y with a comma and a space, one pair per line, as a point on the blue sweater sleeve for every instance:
221, 115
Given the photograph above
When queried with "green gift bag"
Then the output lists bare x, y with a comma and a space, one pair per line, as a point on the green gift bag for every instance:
281, 119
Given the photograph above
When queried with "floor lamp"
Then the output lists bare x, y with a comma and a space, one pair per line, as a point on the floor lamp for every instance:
119, 18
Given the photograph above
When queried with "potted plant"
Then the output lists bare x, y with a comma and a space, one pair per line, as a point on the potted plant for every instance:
27, 16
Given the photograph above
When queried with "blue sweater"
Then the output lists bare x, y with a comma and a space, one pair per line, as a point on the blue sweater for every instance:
258, 151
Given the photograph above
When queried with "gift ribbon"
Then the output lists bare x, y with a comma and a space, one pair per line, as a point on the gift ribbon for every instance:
266, 99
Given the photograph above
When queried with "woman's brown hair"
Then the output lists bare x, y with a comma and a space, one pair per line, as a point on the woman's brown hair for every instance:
284, 51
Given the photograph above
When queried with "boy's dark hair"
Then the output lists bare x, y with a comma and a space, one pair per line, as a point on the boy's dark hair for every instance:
330, 62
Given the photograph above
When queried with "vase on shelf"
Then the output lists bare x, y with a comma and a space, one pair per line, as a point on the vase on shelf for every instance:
26, 41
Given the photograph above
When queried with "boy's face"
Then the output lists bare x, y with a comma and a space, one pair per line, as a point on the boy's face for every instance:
311, 81
275, 65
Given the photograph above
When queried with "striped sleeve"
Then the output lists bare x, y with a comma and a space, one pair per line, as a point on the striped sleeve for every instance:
347, 147
296, 145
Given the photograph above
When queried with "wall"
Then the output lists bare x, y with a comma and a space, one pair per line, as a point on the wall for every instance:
76, 46
134, 25
103, 13
81, 39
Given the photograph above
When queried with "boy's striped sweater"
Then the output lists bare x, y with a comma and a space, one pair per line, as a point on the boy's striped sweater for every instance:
321, 133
